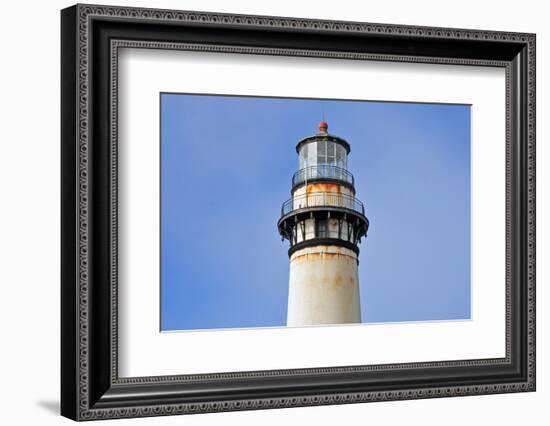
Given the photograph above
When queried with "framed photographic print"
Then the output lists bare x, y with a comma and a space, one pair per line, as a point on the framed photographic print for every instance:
263, 212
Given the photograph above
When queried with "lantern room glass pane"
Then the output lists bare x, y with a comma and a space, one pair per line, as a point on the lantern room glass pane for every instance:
321, 151
311, 154
303, 156
341, 157
331, 156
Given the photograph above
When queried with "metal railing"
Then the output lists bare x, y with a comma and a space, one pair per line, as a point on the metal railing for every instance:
322, 171
322, 199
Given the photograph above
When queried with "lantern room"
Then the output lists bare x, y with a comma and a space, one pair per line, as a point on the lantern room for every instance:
323, 156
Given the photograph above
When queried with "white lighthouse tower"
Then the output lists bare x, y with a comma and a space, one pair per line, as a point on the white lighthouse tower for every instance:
324, 223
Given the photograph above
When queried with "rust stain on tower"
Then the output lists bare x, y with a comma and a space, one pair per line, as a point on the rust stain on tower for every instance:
323, 187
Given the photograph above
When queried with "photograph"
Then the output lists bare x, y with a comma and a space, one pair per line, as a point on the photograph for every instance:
291, 212
266, 209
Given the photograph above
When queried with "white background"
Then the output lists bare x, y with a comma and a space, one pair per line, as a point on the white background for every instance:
146, 352
29, 225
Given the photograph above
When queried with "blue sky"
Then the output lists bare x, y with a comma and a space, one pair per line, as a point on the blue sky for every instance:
227, 162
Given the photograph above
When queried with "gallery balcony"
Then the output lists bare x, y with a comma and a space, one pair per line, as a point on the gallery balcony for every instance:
323, 200
329, 218
323, 172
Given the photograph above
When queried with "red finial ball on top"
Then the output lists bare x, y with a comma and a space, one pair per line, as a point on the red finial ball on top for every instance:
323, 126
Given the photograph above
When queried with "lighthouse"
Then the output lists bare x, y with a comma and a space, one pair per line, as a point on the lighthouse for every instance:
324, 223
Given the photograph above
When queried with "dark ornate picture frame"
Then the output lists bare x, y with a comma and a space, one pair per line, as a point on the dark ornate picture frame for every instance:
90, 38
